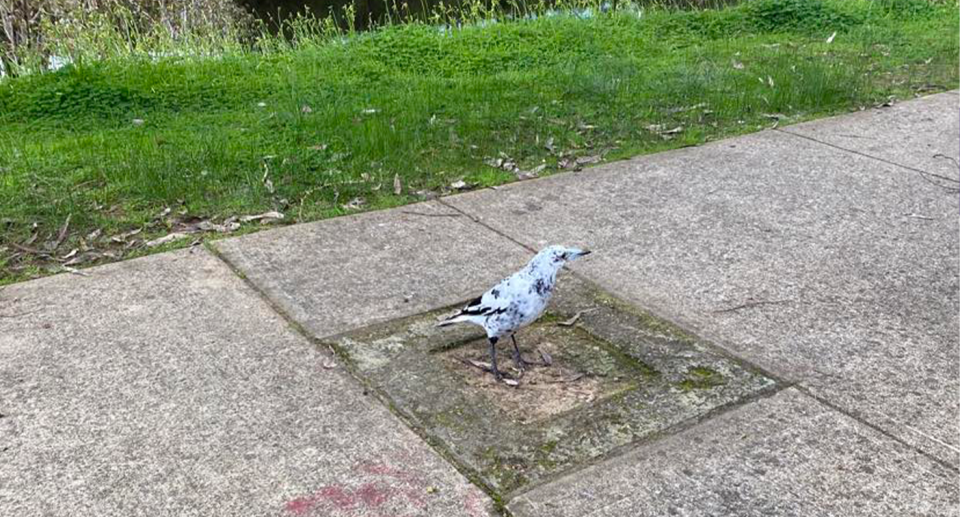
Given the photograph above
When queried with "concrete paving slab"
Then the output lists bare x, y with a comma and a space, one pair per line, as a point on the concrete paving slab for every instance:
340, 274
786, 455
922, 133
166, 386
823, 266
615, 376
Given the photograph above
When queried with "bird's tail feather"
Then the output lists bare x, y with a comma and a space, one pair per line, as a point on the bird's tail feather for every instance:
456, 318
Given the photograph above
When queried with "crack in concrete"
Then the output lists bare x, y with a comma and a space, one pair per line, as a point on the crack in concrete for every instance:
849, 414
500, 500
499, 503
922, 172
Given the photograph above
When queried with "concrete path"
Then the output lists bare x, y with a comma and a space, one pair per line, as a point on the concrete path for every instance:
824, 255
165, 386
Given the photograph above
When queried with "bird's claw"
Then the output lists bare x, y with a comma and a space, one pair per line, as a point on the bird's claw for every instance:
486, 367
522, 364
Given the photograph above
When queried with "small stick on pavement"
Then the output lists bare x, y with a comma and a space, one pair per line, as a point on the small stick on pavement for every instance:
573, 321
751, 304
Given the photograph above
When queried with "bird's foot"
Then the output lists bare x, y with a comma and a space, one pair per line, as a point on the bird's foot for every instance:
523, 364
487, 367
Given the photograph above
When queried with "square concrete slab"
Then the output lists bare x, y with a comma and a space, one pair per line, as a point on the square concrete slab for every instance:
826, 267
923, 134
344, 273
166, 386
605, 376
786, 455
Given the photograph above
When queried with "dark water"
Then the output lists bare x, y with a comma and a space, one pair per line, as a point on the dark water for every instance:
379, 11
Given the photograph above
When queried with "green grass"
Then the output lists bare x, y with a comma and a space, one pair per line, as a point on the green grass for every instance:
428, 107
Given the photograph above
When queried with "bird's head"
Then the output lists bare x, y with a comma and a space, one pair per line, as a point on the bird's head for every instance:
559, 255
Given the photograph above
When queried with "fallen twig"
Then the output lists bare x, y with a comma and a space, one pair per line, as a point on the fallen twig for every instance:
18, 314
575, 378
28, 249
424, 214
751, 304
948, 188
951, 158
487, 367
573, 321
75, 271
63, 232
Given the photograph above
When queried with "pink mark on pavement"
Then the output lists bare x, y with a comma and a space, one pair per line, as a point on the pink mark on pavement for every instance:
300, 505
370, 496
473, 503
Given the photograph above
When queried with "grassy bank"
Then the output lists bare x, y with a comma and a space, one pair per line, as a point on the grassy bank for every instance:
329, 125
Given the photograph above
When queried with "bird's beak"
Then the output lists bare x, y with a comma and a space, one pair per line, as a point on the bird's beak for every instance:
582, 253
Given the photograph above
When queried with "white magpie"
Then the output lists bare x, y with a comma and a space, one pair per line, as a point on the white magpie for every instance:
516, 301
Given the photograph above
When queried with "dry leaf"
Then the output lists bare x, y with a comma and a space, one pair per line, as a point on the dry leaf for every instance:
586, 160
354, 204
532, 173
397, 187
737, 65
480, 364
319, 147
124, 236
502, 163
549, 145
175, 236
94, 234
63, 232
75, 271
688, 108
76, 260
547, 359
370, 111
306, 109
770, 81
226, 227
137, 121
427, 194
511, 382
830, 39
266, 217
458, 185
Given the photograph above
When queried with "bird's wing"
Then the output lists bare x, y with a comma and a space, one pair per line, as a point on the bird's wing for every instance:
489, 303
493, 302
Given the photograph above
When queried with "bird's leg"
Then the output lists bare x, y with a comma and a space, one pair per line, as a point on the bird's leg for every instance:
517, 357
493, 359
